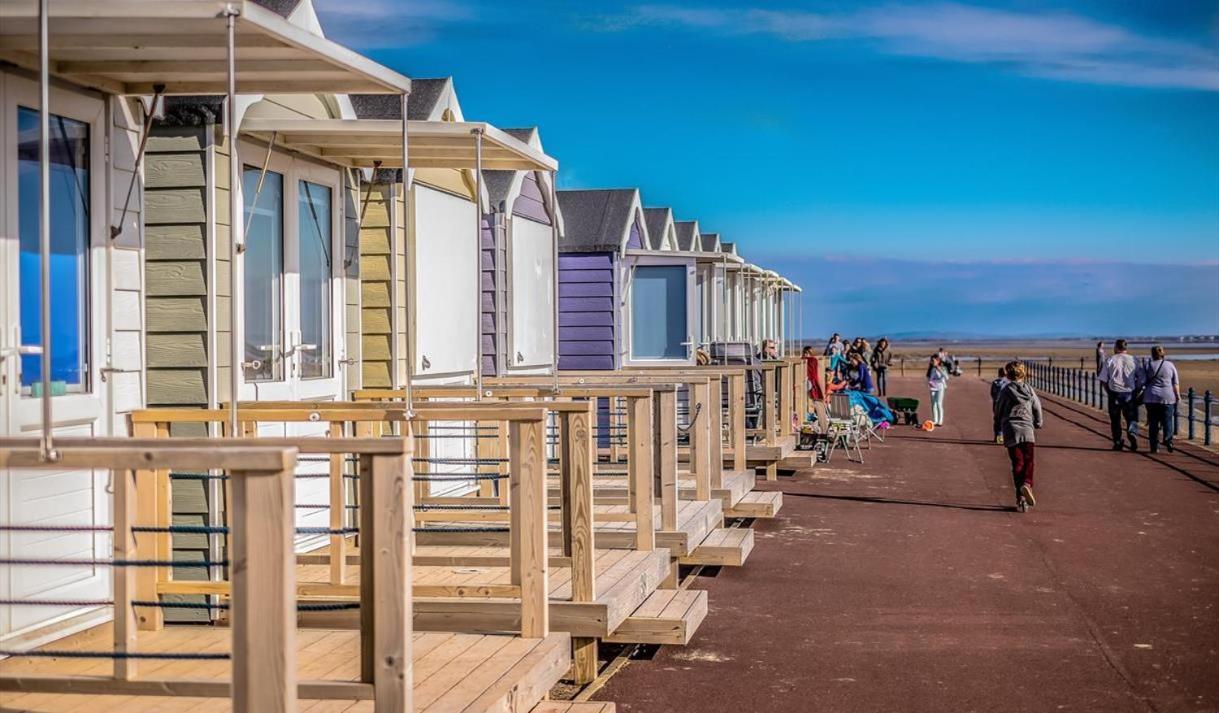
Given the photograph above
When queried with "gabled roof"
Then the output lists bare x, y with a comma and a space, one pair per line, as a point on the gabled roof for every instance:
687, 235
729, 248
660, 228
503, 186
710, 242
598, 220
427, 102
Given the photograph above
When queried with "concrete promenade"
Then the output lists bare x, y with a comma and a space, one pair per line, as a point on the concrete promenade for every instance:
910, 584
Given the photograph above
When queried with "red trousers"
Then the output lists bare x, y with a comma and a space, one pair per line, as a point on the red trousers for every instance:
1023, 463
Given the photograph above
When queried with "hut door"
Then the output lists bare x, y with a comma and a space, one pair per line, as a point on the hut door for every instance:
79, 333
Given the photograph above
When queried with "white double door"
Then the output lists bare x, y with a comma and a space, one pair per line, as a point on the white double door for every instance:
291, 274
80, 333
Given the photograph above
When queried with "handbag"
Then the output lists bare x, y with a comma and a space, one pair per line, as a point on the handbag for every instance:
1141, 391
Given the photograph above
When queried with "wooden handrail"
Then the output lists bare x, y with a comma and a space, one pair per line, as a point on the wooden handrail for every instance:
263, 612
371, 419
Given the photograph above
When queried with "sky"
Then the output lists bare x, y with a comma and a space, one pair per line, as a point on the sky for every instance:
990, 168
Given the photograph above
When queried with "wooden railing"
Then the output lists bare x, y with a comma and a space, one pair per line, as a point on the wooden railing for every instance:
263, 616
639, 427
525, 517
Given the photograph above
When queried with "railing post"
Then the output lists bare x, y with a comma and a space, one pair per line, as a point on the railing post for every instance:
263, 589
577, 453
1206, 417
979, 366
769, 413
639, 468
527, 536
125, 508
1176, 418
700, 440
715, 419
736, 404
386, 541
1192, 395
665, 466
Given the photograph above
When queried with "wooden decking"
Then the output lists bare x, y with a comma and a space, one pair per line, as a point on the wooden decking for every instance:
452, 672
624, 579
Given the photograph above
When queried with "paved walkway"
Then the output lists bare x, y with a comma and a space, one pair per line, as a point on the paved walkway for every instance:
909, 584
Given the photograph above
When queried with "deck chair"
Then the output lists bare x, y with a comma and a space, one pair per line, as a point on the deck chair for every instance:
844, 427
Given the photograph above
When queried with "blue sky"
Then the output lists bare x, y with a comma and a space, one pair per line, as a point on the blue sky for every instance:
1023, 142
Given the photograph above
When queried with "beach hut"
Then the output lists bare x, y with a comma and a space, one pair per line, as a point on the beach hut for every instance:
518, 262
139, 271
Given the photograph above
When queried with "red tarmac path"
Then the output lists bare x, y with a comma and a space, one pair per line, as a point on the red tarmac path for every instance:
907, 583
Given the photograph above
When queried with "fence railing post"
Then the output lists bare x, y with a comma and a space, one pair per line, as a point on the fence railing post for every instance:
1206, 417
1191, 396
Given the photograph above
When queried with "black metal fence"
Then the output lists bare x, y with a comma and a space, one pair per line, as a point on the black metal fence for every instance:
1082, 386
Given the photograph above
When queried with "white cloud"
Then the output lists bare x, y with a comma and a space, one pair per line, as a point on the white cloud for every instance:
1051, 45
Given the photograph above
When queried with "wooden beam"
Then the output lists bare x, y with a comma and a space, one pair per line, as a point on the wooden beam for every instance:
124, 578
263, 606
387, 540
700, 440
736, 410
639, 467
527, 496
666, 458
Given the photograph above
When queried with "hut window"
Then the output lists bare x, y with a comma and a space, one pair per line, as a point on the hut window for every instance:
69, 152
658, 312
264, 269
316, 268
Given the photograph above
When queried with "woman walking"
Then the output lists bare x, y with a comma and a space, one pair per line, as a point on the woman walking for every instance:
1161, 391
881, 360
937, 381
1017, 417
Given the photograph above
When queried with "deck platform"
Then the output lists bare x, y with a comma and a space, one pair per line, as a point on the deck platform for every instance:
695, 520
452, 672
574, 707
624, 580
757, 504
762, 455
670, 616
736, 484
724, 547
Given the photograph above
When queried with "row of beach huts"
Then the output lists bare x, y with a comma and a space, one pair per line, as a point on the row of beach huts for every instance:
317, 395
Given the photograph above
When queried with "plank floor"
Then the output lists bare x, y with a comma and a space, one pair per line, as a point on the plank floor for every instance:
624, 578
452, 672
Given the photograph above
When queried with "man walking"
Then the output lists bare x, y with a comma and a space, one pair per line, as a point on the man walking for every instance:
1117, 377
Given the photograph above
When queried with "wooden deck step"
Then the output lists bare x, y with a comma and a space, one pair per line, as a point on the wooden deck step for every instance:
724, 547
575, 707
669, 616
737, 484
759, 503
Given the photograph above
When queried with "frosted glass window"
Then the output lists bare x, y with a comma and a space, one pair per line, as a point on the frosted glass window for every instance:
658, 312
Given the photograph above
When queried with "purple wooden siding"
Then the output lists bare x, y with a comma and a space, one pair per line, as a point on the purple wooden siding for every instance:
530, 203
586, 311
635, 240
487, 255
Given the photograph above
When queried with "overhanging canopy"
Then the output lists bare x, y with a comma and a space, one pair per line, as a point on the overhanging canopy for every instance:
364, 143
129, 46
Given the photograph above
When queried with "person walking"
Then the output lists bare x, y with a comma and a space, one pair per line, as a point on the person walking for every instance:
1161, 392
996, 388
1100, 356
1017, 417
1118, 377
881, 360
937, 382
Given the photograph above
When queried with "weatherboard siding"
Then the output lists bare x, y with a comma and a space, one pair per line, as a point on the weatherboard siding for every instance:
586, 311
491, 263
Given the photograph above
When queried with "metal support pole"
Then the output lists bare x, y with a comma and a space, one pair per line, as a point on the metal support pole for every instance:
1191, 396
44, 227
236, 234
552, 194
478, 268
1206, 417
395, 327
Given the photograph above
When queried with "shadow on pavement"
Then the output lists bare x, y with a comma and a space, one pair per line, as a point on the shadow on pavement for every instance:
898, 501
